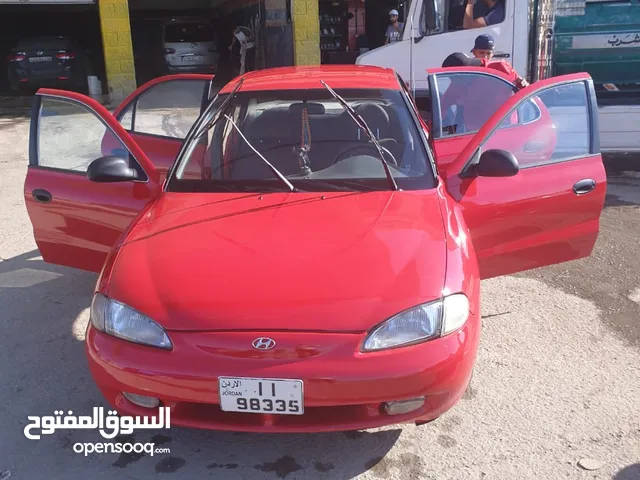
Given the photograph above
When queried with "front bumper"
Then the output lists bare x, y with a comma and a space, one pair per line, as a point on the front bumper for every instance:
343, 388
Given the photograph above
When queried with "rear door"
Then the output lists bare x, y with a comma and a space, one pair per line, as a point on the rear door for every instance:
160, 113
75, 221
460, 101
549, 212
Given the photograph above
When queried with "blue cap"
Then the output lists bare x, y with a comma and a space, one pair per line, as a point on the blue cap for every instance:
484, 42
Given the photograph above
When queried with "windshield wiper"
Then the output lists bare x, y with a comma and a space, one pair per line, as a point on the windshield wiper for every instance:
220, 111
360, 121
273, 169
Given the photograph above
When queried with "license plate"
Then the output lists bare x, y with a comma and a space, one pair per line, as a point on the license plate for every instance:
40, 59
196, 58
261, 395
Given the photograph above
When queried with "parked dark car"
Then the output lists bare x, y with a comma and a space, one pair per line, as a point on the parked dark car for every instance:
48, 62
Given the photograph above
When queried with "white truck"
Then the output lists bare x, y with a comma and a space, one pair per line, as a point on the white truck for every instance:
525, 37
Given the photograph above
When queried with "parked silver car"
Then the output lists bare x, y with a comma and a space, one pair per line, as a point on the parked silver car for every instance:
190, 46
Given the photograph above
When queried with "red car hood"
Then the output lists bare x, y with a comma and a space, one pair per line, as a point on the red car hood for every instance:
304, 261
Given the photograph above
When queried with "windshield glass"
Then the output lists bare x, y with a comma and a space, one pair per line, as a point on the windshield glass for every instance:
309, 138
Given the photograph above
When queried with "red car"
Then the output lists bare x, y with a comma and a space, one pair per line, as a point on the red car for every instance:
305, 265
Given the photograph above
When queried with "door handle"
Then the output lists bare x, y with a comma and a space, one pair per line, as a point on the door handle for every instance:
501, 55
41, 196
584, 186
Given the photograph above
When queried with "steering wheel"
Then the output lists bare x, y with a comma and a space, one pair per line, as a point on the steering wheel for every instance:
367, 146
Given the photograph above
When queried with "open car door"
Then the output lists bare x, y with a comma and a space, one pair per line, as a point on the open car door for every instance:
457, 102
76, 221
526, 210
160, 113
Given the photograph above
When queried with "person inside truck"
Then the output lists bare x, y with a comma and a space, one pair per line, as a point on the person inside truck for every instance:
481, 13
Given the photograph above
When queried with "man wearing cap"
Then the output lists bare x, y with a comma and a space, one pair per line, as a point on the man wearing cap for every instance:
483, 50
482, 13
394, 30
483, 47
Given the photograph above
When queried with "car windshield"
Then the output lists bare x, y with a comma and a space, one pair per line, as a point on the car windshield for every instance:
309, 137
188, 33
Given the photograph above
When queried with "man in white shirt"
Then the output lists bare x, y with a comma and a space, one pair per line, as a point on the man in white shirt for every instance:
394, 30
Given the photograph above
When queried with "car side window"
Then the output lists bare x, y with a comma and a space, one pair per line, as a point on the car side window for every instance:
167, 109
71, 136
560, 130
468, 100
527, 112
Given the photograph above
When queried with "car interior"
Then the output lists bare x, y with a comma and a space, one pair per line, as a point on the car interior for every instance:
280, 129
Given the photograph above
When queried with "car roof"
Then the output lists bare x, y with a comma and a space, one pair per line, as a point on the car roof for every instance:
300, 78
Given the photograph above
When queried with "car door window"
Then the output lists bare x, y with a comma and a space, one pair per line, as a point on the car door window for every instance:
70, 137
167, 109
553, 126
465, 101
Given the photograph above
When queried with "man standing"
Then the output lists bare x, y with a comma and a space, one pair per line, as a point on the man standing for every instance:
394, 30
482, 13
483, 50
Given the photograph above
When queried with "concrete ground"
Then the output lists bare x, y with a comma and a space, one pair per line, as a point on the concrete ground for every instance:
556, 389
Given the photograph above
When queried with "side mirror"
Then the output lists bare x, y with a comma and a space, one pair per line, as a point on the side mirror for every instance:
111, 169
497, 163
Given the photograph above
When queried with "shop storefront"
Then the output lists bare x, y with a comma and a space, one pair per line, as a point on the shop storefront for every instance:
281, 32
337, 31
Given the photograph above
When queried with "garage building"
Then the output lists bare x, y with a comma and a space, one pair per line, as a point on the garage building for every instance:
120, 36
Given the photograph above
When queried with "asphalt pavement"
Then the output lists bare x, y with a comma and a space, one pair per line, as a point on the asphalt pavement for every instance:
556, 392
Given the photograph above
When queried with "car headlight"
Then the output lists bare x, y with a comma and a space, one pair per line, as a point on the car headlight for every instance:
119, 320
419, 324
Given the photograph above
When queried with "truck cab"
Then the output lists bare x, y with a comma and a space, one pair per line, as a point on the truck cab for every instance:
438, 31
540, 38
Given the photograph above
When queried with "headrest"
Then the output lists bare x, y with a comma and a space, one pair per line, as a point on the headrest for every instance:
374, 114
268, 124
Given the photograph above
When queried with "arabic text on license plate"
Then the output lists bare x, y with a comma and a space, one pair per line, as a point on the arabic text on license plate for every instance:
196, 58
40, 59
261, 395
